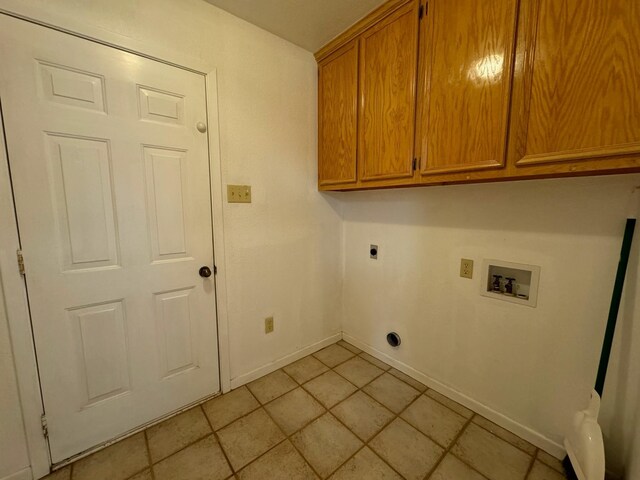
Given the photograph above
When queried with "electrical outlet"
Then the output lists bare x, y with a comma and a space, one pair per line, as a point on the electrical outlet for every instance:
466, 268
239, 193
268, 325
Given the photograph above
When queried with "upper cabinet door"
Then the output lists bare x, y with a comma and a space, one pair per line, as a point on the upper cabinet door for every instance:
577, 91
465, 80
388, 57
338, 116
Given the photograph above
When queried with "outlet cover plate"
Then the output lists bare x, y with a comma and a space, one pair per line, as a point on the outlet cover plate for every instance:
268, 325
466, 268
239, 193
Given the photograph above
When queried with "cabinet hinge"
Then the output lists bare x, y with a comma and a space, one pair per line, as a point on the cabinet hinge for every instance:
414, 166
420, 12
20, 261
45, 428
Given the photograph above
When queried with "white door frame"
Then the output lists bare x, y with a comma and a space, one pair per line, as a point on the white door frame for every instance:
12, 282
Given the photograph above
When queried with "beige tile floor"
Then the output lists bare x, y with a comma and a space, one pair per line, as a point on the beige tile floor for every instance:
339, 414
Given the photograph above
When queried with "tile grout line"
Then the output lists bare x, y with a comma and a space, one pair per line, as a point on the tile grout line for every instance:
310, 378
138, 472
394, 417
365, 444
446, 450
327, 410
399, 416
187, 445
358, 389
146, 442
531, 464
507, 441
215, 435
262, 406
462, 430
213, 432
286, 437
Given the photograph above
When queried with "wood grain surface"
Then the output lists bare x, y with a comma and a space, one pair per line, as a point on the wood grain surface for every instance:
338, 116
465, 72
388, 60
580, 92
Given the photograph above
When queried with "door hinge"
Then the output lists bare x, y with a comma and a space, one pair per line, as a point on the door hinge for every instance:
420, 12
45, 427
20, 261
414, 166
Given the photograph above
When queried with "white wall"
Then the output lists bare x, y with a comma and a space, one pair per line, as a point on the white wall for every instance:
533, 365
283, 252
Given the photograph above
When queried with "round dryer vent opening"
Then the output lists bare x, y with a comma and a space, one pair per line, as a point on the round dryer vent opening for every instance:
393, 339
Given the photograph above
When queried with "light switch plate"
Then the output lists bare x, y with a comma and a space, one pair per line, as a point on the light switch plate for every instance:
239, 193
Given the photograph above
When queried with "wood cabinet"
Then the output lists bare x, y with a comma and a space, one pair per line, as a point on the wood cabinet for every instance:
465, 75
338, 116
388, 57
576, 98
482, 91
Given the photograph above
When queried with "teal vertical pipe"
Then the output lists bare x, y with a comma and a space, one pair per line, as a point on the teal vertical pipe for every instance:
615, 305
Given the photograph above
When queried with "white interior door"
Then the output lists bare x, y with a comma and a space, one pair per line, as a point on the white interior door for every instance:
111, 185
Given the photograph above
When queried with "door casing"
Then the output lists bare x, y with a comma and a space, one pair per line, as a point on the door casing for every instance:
13, 285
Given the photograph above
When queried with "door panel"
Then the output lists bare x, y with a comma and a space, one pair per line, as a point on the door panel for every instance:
165, 180
338, 116
577, 95
388, 57
465, 78
174, 314
61, 84
80, 177
111, 184
101, 334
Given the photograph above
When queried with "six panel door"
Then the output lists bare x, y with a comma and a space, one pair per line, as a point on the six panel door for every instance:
338, 116
388, 57
465, 75
576, 94
112, 193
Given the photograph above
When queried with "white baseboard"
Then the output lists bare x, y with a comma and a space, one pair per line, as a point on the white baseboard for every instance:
24, 474
530, 435
281, 362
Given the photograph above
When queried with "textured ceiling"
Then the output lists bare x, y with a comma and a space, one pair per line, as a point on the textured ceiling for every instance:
307, 23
